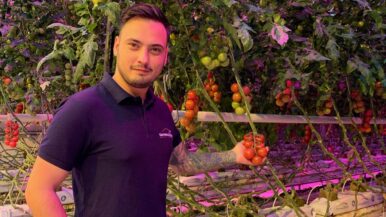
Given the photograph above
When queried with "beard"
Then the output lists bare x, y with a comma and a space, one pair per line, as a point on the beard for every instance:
137, 83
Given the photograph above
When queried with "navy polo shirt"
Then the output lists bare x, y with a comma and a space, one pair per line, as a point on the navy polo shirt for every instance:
117, 148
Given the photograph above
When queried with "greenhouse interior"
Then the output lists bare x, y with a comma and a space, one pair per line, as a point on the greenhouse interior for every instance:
240, 108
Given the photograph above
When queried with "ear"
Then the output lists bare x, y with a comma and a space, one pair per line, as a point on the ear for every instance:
116, 45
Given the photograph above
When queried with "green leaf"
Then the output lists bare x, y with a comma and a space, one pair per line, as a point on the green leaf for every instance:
229, 3
87, 58
313, 55
363, 87
351, 66
63, 28
54, 54
233, 32
83, 21
91, 27
333, 51
112, 10
69, 53
362, 67
377, 18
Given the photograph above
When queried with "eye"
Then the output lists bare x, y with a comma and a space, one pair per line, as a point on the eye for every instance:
133, 45
156, 50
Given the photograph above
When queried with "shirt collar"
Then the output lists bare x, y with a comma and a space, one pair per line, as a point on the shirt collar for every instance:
121, 96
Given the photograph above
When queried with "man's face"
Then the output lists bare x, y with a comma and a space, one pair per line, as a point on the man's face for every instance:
141, 51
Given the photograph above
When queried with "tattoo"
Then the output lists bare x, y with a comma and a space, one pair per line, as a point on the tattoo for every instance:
184, 162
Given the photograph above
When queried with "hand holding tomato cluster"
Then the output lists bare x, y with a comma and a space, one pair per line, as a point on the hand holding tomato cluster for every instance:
11, 133
212, 88
237, 98
255, 149
191, 106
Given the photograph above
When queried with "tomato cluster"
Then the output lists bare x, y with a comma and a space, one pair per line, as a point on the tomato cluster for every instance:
359, 105
237, 98
365, 127
212, 88
191, 110
307, 134
19, 108
11, 133
326, 108
215, 55
68, 74
284, 97
255, 149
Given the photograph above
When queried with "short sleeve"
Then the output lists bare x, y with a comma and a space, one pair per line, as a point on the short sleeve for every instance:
67, 135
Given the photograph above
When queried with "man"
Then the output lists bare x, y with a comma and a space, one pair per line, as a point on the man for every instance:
117, 138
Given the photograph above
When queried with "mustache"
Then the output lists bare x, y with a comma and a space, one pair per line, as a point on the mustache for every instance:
141, 67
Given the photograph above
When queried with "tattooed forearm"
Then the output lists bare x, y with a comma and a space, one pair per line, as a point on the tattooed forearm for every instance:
185, 163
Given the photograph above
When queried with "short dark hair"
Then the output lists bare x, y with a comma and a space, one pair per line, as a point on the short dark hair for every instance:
147, 11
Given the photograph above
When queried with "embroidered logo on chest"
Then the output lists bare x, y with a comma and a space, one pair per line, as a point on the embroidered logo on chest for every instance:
165, 133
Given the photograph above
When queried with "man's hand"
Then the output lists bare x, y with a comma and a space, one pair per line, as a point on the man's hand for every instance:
239, 151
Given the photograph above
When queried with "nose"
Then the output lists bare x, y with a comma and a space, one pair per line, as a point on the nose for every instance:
143, 57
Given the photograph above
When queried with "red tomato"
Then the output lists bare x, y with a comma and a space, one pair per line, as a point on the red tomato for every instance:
7, 81
15, 126
248, 137
7, 130
257, 160
287, 91
259, 138
259, 145
210, 75
249, 153
207, 87
369, 113
12, 144
234, 88
170, 106
236, 97
184, 122
288, 83
214, 87
189, 104
262, 152
196, 109
248, 144
246, 90
8, 123
192, 94
217, 94
189, 114
217, 99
